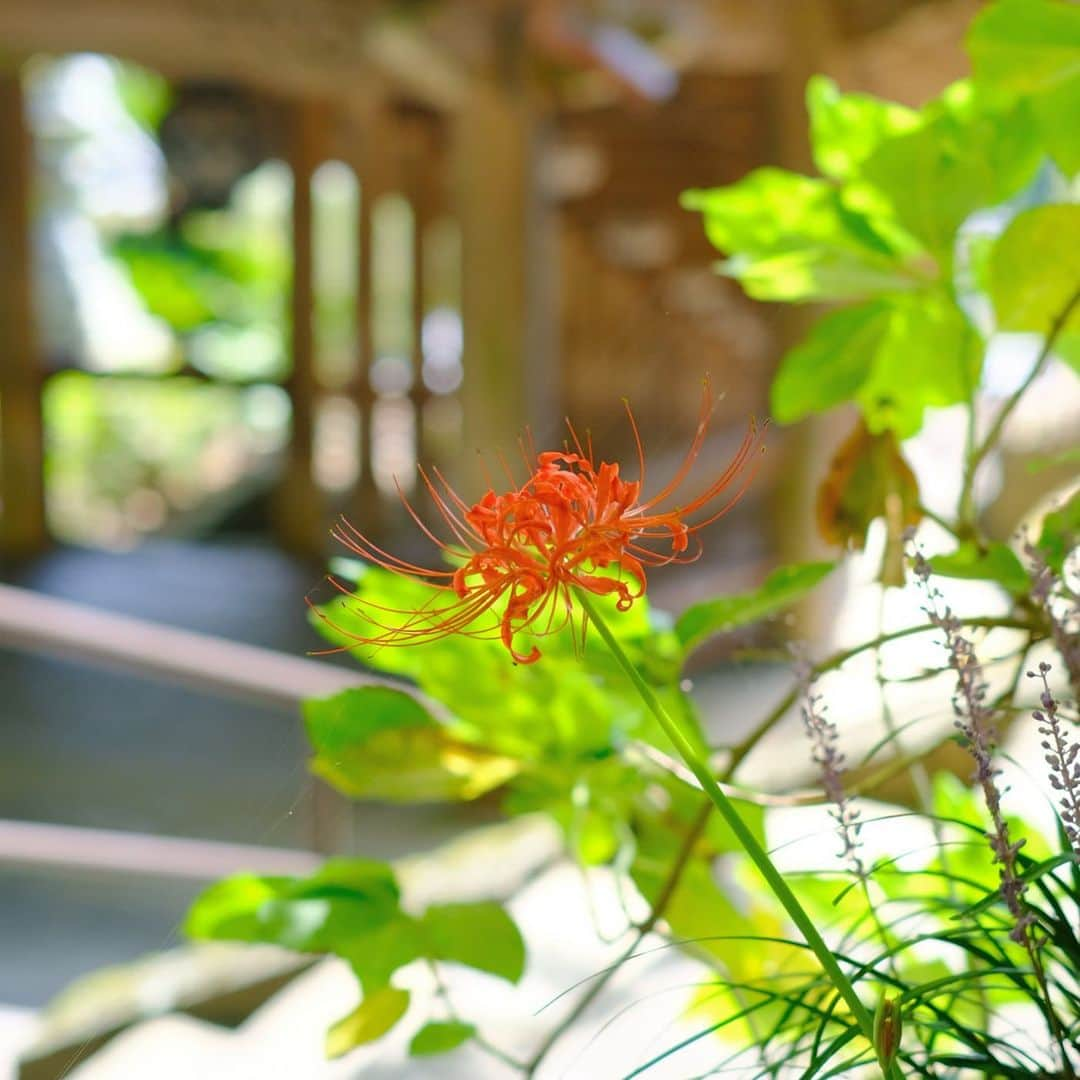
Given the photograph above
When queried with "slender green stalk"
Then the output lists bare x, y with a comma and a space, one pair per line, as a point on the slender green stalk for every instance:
746, 838
976, 454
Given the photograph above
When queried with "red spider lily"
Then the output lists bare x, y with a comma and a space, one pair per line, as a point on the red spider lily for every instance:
523, 552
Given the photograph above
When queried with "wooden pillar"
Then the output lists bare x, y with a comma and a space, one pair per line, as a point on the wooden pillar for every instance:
299, 505
809, 36
22, 493
420, 169
375, 168
418, 393
508, 313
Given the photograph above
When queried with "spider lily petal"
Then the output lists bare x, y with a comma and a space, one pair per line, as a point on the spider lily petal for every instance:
521, 553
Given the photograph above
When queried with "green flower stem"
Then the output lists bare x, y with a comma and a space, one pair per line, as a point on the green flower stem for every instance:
749, 842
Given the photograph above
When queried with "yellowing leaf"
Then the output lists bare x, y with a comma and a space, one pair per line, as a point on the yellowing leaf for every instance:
370, 1020
380, 743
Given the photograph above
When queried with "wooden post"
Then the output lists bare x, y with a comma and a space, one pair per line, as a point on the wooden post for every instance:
418, 165
374, 168
299, 505
22, 492
507, 305
808, 37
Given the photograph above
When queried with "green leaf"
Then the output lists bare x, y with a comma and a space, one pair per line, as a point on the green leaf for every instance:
1026, 45
996, 562
370, 1020
929, 356
965, 155
1060, 533
792, 238
377, 954
480, 935
594, 837
591, 801
845, 129
1032, 48
350, 877
227, 910
145, 95
895, 357
832, 363
1062, 140
782, 588
440, 1036
327, 912
573, 704
1035, 269
375, 742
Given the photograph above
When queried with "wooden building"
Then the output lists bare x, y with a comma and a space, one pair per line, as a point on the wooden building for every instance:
557, 135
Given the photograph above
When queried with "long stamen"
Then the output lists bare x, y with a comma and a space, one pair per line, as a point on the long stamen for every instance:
574, 524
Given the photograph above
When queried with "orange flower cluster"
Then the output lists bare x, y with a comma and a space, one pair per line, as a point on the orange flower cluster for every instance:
567, 527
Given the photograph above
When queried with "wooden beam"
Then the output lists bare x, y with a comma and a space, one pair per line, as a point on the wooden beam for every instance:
318, 49
22, 492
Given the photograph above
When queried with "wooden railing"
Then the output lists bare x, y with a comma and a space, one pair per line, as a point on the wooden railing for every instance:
69, 631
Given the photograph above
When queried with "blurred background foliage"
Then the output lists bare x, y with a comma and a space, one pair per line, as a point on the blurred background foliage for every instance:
179, 311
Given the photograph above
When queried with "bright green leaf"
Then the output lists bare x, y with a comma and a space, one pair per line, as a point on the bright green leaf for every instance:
227, 910
594, 837
370, 1020
1060, 533
895, 357
792, 238
832, 363
929, 357
440, 1036
377, 954
575, 703
1032, 48
327, 912
845, 129
1062, 140
963, 157
1026, 45
782, 588
375, 742
480, 935
1035, 269
702, 910
350, 877
996, 563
